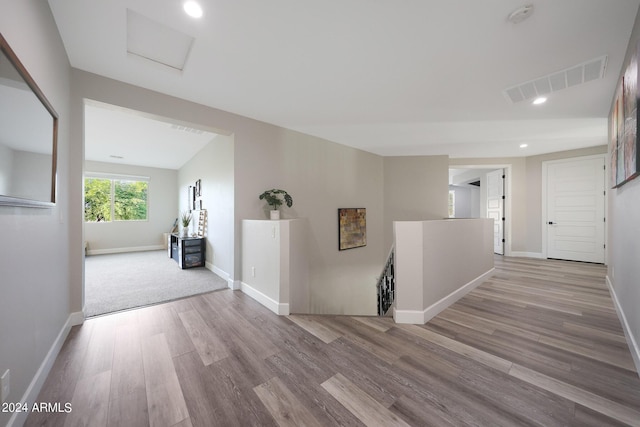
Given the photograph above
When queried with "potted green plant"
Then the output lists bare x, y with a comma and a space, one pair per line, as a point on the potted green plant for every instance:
185, 219
275, 198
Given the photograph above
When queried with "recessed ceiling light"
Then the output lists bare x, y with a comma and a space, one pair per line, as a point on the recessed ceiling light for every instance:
524, 145
540, 100
193, 9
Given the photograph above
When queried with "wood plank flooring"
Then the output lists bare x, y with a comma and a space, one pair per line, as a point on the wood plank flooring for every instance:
539, 344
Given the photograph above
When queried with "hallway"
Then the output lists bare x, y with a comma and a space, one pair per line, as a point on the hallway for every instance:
537, 344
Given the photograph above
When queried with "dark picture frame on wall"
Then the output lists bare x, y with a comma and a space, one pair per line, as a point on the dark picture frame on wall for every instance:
352, 228
623, 127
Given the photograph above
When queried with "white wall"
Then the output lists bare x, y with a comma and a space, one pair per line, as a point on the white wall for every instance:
415, 188
126, 236
321, 176
6, 168
623, 229
474, 203
466, 199
34, 262
213, 165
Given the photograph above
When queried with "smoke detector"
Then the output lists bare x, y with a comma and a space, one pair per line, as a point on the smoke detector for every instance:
520, 14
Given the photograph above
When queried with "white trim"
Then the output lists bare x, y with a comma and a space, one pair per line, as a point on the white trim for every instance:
631, 341
124, 250
217, 270
231, 284
32, 392
520, 254
413, 317
278, 308
76, 318
543, 204
116, 176
235, 285
417, 317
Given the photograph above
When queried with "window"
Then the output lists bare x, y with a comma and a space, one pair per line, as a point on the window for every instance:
452, 204
115, 198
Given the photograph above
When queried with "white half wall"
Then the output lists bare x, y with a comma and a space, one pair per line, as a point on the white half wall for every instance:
437, 262
275, 264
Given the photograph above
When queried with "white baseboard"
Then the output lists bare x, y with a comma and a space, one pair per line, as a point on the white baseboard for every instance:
32, 392
413, 317
420, 317
537, 255
631, 341
220, 272
76, 318
278, 308
231, 284
123, 250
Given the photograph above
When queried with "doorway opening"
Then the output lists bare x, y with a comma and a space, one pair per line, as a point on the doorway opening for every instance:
483, 191
127, 263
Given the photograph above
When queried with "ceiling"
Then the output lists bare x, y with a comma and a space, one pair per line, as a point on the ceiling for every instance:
119, 135
416, 77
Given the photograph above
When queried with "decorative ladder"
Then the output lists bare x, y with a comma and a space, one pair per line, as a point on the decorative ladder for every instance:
387, 285
202, 222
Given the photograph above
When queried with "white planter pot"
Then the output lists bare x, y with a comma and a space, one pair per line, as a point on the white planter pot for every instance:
185, 231
275, 214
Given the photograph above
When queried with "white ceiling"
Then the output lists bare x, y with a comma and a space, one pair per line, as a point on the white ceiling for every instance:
415, 77
118, 135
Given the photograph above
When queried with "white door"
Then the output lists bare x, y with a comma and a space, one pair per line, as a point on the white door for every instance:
576, 209
495, 207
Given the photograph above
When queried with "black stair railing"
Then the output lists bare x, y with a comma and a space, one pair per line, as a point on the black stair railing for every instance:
386, 285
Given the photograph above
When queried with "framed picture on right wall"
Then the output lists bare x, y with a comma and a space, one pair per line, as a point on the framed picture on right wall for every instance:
623, 127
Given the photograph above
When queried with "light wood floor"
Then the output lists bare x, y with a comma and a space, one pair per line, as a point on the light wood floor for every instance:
538, 344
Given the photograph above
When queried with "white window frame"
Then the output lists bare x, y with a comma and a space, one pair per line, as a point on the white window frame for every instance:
112, 177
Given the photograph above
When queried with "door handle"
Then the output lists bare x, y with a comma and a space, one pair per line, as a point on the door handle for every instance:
551, 222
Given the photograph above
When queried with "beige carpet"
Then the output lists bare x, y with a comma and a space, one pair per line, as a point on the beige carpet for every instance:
118, 282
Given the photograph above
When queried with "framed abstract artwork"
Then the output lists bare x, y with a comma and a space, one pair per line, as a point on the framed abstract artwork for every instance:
623, 127
352, 228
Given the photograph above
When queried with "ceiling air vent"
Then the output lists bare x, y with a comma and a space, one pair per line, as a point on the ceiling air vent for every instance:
187, 129
569, 77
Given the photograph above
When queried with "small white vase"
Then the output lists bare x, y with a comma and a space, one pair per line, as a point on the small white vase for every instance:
185, 231
275, 214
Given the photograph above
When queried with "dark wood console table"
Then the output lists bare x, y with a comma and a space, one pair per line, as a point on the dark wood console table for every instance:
188, 252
